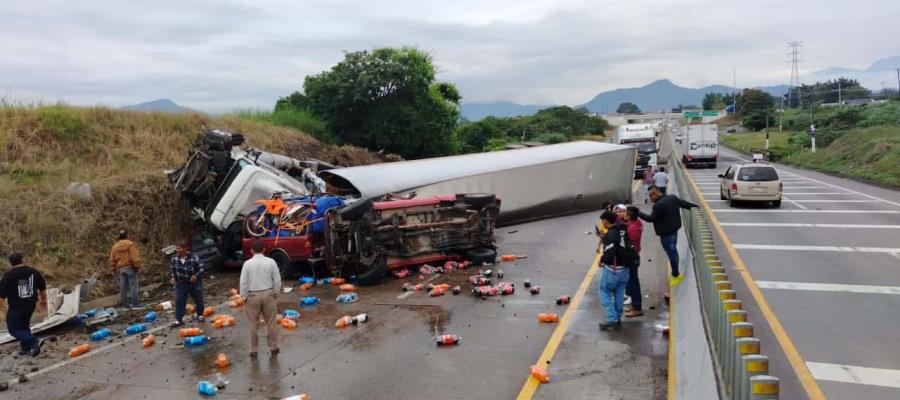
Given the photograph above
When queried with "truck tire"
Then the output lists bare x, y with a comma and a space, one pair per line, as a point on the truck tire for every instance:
373, 274
479, 200
356, 210
481, 256
284, 263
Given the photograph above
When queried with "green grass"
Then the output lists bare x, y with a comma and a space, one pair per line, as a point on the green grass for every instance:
867, 153
301, 120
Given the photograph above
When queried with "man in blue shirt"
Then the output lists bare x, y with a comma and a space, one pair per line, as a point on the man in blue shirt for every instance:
187, 272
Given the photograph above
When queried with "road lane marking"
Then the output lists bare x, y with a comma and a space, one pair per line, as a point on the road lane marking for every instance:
833, 201
751, 210
799, 225
810, 386
853, 374
794, 202
531, 384
849, 249
787, 193
829, 287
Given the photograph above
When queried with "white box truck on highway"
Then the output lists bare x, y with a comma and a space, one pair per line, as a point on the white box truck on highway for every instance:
700, 145
642, 137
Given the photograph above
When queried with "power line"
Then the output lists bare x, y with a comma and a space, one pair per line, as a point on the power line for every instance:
794, 54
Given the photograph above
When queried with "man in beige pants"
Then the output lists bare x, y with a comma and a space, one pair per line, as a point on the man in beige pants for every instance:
260, 285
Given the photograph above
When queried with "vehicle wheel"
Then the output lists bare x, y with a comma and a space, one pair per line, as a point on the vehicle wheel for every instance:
373, 274
479, 200
482, 256
732, 202
722, 195
256, 224
284, 263
776, 203
356, 210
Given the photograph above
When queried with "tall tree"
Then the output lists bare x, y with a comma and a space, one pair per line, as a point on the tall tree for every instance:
628, 108
755, 107
384, 99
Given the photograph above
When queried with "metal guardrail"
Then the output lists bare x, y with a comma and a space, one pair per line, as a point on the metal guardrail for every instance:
742, 370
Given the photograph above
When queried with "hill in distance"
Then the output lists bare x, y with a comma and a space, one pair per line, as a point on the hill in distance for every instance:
161, 105
662, 95
879, 74
477, 111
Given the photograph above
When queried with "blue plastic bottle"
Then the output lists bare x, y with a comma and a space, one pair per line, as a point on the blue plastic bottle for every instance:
326, 281
347, 298
150, 317
206, 388
308, 279
196, 340
100, 335
136, 328
90, 313
309, 301
291, 314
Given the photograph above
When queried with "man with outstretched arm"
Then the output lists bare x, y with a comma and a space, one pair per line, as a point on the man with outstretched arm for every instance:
666, 220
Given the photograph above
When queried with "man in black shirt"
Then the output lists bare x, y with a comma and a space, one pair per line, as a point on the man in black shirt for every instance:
615, 263
666, 219
22, 286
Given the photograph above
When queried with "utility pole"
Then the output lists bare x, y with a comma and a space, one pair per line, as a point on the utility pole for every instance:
734, 88
794, 54
898, 82
781, 115
767, 132
840, 103
812, 125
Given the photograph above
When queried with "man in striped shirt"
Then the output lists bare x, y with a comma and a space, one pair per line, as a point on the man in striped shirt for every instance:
187, 273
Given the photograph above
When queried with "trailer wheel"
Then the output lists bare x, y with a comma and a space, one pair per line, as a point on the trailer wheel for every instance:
284, 263
356, 210
373, 273
481, 256
479, 200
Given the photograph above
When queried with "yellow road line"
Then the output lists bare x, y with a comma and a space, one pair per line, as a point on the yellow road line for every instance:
671, 357
531, 384
787, 345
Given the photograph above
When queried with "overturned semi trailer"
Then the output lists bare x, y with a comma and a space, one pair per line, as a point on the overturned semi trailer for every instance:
533, 183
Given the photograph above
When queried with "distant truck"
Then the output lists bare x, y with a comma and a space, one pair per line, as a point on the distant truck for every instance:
643, 137
700, 145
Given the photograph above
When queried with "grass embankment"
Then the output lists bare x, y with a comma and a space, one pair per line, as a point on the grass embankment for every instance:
122, 156
866, 153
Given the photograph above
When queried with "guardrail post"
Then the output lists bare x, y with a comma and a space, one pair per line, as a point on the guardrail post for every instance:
764, 387
731, 356
722, 296
753, 365
745, 346
722, 327
736, 330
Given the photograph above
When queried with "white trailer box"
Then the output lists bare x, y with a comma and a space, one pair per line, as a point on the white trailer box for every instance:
700, 145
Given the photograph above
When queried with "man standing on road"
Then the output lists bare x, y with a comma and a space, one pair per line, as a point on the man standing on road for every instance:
260, 284
661, 179
666, 219
126, 263
614, 262
646, 182
24, 288
187, 274
633, 288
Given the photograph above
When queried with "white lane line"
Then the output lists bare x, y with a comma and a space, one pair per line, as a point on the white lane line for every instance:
794, 202
748, 210
829, 287
846, 249
853, 374
834, 201
798, 225
855, 192
790, 193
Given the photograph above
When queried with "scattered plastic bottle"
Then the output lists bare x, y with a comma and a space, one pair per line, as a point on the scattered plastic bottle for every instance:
500, 273
419, 287
457, 290
306, 286
348, 287
90, 313
540, 374
485, 291
150, 317
344, 322
301, 396
232, 291
347, 298
291, 314
508, 257
561, 300
189, 309
148, 341
487, 273
338, 281
436, 292
309, 301
479, 280
165, 305
208, 311
506, 290
136, 328
288, 323
535, 289
401, 273
548, 317
220, 380
326, 281
189, 332
100, 334
360, 319
237, 302
79, 350
448, 340
206, 388
222, 361
307, 279
196, 340
527, 283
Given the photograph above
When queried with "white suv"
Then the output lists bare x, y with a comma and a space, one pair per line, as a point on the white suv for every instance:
751, 182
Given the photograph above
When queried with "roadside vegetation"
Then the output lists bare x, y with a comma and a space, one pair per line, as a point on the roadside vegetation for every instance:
854, 141
122, 156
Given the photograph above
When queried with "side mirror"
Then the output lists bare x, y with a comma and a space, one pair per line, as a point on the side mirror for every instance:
721, 175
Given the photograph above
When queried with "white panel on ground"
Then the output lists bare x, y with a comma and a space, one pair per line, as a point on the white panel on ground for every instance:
853, 374
829, 287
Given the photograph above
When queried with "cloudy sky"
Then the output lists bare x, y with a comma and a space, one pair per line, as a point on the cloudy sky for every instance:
219, 55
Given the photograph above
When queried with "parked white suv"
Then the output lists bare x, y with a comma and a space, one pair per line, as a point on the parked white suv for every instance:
757, 182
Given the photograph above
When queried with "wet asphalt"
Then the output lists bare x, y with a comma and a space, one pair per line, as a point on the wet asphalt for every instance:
393, 355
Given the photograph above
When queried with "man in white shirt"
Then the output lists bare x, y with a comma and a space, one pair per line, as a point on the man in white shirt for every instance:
661, 179
260, 284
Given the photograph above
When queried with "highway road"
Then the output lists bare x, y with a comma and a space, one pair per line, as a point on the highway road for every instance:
828, 264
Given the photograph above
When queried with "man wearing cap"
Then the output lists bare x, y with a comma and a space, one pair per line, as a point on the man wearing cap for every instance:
126, 263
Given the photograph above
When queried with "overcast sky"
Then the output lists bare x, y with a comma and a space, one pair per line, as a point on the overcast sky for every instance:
219, 55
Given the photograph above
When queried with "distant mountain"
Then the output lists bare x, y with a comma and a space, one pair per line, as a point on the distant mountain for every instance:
874, 77
161, 105
477, 111
662, 95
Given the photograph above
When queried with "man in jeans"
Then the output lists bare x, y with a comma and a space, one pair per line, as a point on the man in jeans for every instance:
666, 219
260, 284
25, 289
187, 274
126, 263
614, 262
